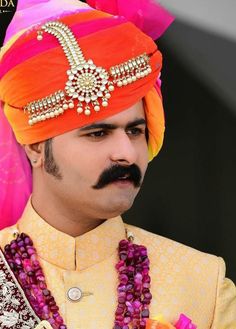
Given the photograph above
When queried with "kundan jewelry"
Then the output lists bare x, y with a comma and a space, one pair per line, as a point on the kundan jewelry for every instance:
133, 289
88, 85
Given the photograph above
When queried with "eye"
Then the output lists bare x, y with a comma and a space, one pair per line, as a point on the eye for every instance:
97, 134
135, 131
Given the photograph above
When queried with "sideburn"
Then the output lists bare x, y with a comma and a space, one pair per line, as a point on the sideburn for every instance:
50, 165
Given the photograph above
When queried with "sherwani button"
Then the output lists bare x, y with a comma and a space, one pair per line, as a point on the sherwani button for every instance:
74, 294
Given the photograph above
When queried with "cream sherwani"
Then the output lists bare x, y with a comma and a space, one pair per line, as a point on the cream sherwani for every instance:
184, 280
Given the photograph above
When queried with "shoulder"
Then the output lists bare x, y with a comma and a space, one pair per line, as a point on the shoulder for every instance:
178, 258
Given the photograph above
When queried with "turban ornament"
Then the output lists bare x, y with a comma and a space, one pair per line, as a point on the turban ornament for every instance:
73, 64
87, 83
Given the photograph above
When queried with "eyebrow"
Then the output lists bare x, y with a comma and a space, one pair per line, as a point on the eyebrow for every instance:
111, 126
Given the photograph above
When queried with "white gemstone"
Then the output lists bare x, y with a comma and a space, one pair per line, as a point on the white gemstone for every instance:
56, 112
99, 94
104, 103
125, 82
68, 72
39, 37
43, 117
111, 87
47, 115
104, 82
65, 106
79, 110
94, 97
98, 69
74, 71
129, 79
87, 112
92, 67
142, 74
60, 110
81, 98
108, 95
71, 77
96, 108
52, 114
72, 90
138, 75
119, 83
134, 78
102, 88
90, 62
86, 66
35, 120
30, 122
80, 67
87, 99
74, 294
75, 95
71, 105
149, 70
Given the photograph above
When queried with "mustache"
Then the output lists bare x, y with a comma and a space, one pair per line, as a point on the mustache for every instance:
114, 173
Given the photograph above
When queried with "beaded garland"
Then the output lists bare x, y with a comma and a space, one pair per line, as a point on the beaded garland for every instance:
133, 289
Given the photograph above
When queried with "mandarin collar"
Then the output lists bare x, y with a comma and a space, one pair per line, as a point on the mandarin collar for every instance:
67, 252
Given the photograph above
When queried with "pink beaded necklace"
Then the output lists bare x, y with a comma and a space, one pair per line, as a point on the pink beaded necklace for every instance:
133, 290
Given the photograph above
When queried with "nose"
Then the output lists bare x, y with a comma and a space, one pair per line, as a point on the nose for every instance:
123, 150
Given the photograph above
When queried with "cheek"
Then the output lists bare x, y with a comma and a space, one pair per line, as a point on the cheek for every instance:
79, 160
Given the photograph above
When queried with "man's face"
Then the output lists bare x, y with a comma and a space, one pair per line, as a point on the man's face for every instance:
101, 165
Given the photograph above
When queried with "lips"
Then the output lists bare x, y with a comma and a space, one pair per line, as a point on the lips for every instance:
125, 177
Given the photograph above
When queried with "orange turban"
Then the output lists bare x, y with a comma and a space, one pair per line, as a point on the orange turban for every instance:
31, 70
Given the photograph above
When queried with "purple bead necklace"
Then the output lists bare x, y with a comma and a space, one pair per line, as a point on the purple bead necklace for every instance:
133, 289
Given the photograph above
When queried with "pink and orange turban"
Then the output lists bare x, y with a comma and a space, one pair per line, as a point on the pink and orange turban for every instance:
31, 69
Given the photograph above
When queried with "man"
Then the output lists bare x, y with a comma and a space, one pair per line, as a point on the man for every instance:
78, 91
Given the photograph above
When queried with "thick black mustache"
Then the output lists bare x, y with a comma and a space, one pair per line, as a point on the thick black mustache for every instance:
113, 173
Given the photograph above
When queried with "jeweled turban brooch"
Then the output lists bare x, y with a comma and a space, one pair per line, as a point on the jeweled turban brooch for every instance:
89, 85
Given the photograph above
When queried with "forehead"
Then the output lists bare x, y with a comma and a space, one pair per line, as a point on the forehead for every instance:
135, 112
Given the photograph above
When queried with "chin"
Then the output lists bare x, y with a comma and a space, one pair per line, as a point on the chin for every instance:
118, 207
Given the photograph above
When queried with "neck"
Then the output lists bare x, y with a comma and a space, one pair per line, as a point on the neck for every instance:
69, 221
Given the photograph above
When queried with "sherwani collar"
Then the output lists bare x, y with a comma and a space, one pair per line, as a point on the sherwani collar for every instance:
66, 251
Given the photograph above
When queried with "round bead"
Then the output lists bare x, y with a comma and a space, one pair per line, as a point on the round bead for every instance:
52, 115
60, 110
129, 79
74, 294
104, 103
87, 112
47, 115
65, 106
108, 95
96, 108
71, 105
111, 88
30, 122
39, 37
119, 84
79, 110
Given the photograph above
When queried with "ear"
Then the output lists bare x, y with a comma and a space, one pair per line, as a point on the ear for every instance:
35, 153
